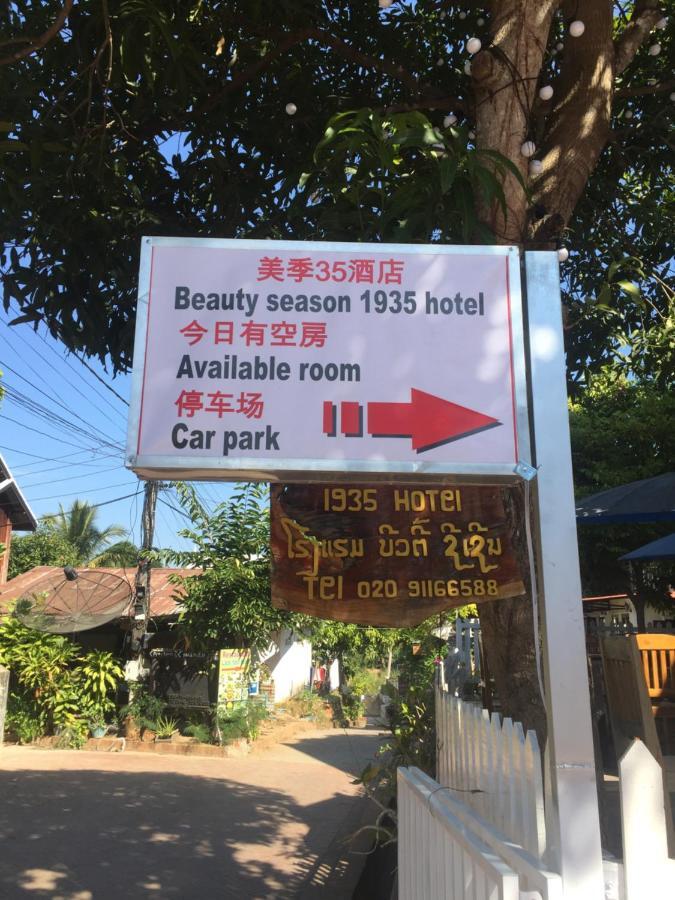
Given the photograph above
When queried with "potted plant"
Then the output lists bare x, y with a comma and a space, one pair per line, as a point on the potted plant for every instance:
97, 725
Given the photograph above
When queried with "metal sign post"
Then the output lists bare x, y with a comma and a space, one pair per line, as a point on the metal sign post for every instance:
568, 707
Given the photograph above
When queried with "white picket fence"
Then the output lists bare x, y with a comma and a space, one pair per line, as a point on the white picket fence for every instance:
447, 852
490, 765
479, 831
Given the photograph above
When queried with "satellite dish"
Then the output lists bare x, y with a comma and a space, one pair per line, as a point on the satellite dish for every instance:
69, 600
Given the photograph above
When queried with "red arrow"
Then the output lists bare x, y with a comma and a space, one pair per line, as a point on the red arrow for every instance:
427, 420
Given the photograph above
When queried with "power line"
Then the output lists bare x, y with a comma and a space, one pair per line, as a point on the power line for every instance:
74, 477
54, 458
57, 421
92, 505
64, 360
53, 399
104, 383
42, 433
75, 493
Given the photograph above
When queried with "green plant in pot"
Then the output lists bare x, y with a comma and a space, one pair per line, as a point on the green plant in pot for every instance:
141, 713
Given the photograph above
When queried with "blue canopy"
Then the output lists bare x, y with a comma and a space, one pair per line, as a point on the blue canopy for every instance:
648, 500
663, 548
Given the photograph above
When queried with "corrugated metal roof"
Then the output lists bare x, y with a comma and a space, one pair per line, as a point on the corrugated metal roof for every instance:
13, 502
165, 596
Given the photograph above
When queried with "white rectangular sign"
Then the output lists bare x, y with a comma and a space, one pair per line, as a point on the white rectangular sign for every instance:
283, 360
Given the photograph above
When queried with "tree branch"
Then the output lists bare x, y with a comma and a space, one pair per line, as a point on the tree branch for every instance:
645, 16
646, 89
39, 42
578, 126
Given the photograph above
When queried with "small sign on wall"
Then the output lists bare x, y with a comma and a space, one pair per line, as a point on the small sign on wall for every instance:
389, 555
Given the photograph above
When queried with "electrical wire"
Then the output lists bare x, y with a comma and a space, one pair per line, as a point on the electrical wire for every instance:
107, 487
92, 506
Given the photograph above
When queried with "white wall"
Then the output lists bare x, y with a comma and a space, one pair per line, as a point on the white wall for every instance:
290, 665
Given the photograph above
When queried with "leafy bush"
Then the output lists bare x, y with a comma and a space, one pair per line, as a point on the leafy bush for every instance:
199, 731
308, 704
144, 708
58, 688
21, 721
242, 722
165, 727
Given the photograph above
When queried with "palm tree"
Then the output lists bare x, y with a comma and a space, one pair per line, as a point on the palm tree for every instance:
93, 545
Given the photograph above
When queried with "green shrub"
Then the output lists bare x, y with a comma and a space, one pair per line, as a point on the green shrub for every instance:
199, 731
242, 722
59, 688
23, 720
165, 727
144, 708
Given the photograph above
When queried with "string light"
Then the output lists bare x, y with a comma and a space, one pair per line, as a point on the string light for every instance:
449, 120
563, 254
546, 92
473, 45
672, 97
559, 46
384, 4
467, 67
662, 23
291, 109
628, 114
472, 135
462, 15
440, 61
528, 149
577, 28
654, 50
481, 22
536, 166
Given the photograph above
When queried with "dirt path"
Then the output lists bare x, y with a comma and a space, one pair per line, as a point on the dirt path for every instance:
97, 826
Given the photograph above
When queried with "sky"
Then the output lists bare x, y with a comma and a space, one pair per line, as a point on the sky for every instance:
63, 433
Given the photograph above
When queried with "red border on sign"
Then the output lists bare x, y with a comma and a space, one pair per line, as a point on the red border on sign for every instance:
513, 380
145, 355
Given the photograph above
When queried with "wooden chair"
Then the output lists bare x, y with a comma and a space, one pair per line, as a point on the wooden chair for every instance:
628, 704
657, 653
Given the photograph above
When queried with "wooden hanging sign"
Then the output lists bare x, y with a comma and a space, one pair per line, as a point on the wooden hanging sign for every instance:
389, 555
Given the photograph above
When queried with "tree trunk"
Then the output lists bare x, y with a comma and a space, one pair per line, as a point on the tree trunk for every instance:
507, 628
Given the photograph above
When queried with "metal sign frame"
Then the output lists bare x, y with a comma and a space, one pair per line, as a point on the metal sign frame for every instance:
303, 469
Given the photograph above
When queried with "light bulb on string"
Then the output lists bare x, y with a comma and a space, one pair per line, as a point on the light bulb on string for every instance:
440, 61
628, 114
577, 28
654, 50
472, 135
473, 45
467, 67
449, 120
480, 22
672, 97
462, 15
536, 166
563, 254
384, 4
528, 149
545, 92
291, 109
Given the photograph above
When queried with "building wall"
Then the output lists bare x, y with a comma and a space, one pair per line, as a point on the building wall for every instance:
290, 665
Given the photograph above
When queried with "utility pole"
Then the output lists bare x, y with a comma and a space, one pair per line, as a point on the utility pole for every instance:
142, 581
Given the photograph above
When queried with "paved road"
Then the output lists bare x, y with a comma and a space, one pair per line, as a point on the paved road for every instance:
97, 826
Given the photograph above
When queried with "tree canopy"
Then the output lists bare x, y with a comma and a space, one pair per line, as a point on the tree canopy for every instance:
303, 119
